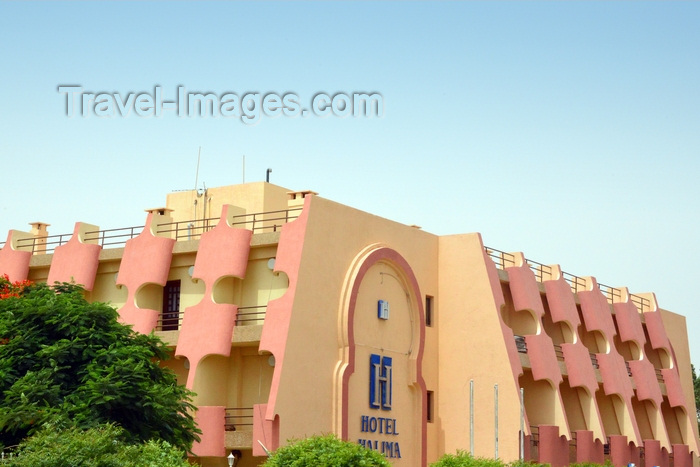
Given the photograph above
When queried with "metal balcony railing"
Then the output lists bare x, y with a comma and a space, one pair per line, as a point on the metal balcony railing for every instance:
520, 344
248, 315
111, 237
659, 375
534, 435
558, 352
40, 245
169, 321
7, 453
505, 260
269, 221
594, 360
238, 418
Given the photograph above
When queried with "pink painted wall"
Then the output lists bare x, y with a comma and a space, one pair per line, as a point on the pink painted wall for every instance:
265, 431
540, 348
278, 315
75, 261
14, 263
146, 260
207, 328
589, 449
553, 449
211, 421
562, 306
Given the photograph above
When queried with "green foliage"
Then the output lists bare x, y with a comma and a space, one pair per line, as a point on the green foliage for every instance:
325, 451
70, 363
465, 459
102, 446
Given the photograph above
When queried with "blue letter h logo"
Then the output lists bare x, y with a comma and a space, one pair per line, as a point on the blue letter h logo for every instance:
379, 382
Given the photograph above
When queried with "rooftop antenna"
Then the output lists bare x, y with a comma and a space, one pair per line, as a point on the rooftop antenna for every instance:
267, 177
196, 177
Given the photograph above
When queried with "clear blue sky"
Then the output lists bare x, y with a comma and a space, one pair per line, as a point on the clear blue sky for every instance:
569, 131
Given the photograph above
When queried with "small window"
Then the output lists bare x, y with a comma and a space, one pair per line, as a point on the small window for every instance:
428, 310
431, 408
170, 317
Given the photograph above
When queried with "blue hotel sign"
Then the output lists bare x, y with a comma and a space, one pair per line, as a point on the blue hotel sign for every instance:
379, 382
380, 393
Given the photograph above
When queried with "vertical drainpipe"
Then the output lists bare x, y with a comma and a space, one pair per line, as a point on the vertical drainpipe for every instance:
471, 417
495, 409
522, 424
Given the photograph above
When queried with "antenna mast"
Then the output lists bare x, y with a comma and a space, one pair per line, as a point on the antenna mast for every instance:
196, 177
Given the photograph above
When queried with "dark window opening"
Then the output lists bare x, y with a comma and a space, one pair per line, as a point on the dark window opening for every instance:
431, 408
428, 310
170, 318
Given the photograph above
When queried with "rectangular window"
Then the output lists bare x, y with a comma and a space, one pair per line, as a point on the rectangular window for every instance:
431, 408
428, 310
170, 317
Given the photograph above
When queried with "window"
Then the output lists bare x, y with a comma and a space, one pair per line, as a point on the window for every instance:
431, 408
428, 310
170, 317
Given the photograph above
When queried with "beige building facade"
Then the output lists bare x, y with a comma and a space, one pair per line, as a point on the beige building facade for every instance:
291, 315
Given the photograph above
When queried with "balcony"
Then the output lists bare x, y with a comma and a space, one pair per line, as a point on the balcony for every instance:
239, 419
249, 321
238, 426
250, 315
169, 321
542, 272
269, 221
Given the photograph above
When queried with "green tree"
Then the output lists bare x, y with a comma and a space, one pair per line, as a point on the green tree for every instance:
325, 451
66, 361
103, 446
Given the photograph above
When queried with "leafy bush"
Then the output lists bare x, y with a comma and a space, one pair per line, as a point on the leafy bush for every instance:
102, 446
69, 362
465, 459
325, 451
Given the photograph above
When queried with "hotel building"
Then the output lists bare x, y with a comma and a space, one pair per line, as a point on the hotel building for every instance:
291, 315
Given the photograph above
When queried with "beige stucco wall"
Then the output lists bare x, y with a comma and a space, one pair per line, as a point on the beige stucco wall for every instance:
472, 347
335, 236
257, 197
677, 332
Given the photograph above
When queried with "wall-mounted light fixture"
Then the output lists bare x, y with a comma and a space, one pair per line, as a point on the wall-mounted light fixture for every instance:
234, 457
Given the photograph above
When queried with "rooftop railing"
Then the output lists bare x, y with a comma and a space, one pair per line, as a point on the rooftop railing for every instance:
543, 272
269, 221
